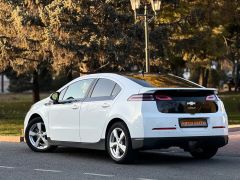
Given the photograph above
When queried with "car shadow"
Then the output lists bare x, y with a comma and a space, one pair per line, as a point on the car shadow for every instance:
156, 157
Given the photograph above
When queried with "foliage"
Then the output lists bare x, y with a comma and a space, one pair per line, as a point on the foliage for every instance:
18, 83
87, 36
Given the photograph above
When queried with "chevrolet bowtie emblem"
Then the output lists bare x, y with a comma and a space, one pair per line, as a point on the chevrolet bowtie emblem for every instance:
191, 103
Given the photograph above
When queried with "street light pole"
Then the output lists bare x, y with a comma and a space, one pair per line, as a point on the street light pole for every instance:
155, 4
147, 65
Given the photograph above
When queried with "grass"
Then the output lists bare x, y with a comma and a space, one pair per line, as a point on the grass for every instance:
232, 106
13, 108
11, 127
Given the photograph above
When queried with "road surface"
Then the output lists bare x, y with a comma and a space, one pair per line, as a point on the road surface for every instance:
18, 162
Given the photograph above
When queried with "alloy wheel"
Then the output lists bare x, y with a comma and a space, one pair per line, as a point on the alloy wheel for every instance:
117, 143
38, 136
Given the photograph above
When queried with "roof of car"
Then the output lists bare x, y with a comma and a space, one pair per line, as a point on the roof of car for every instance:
154, 80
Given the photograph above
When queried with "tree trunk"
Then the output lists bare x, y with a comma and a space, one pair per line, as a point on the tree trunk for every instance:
69, 75
201, 76
36, 95
206, 76
2, 83
237, 77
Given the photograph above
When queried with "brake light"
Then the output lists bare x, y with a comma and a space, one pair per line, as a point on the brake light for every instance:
211, 98
149, 97
141, 97
163, 98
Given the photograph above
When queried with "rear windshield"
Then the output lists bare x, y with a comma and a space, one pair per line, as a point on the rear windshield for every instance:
161, 81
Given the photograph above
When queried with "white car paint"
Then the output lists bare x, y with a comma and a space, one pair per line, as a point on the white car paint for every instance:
87, 121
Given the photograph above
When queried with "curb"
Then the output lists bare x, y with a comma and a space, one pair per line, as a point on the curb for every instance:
234, 128
14, 139
19, 139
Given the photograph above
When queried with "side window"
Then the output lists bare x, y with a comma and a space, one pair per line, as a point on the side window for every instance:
62, 94
78, 89
116, 90
103, 88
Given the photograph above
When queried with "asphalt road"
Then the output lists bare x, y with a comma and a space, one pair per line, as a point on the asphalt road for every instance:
18, 162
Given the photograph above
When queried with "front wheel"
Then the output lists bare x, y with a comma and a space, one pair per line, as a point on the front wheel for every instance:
203, 152
36, 136
119, 145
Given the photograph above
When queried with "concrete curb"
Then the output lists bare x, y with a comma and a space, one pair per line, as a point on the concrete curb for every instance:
18, 139
234, 128
14, 139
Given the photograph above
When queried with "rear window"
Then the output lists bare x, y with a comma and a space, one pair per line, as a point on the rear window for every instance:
161, 81
141, 82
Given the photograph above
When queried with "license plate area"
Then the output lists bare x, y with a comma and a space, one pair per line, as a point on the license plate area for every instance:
193, 123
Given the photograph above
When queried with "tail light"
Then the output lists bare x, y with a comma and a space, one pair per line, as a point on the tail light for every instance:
141, 97
149, 97
211, 98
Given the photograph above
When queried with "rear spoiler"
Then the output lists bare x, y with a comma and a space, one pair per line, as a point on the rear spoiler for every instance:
153, 90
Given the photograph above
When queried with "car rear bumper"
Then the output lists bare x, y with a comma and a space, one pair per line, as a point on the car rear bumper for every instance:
182, 142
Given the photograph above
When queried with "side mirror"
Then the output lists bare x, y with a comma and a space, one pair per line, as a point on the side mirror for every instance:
55, 97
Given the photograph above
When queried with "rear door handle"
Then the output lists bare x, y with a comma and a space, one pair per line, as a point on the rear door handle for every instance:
105, 105
75, 106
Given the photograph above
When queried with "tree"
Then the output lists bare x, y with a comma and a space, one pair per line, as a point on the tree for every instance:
21, 41
87, 36
231, 36
195, 34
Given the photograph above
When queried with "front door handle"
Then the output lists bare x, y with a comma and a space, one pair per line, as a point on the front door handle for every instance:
75, 106
105, 105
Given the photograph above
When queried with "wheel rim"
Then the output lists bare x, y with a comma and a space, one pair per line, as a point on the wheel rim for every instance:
38, 136
117, 143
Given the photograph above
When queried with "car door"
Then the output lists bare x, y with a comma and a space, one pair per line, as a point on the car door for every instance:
95, 109
64, 116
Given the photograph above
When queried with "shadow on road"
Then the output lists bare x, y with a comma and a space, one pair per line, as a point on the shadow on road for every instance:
142, 158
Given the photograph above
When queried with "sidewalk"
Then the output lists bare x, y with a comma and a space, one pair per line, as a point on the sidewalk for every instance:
18, 139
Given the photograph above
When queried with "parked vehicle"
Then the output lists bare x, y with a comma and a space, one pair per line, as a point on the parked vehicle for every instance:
122, 115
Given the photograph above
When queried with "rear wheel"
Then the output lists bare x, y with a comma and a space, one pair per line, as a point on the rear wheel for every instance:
119, 145
203, 152
36, 136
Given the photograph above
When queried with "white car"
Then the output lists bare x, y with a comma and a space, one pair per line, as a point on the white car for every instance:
122, 114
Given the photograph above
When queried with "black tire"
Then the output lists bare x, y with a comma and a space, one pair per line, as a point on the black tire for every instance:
128, 156
28, 140
203, 152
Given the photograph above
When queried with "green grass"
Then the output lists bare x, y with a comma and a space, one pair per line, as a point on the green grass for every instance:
11, 127
232, 106
13, 108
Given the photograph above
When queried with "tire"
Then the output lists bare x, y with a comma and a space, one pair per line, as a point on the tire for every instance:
119, 150
203, 152
36, 136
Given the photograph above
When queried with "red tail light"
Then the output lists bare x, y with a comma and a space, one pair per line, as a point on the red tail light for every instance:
163, 98
149, 97
141, 97
211, 98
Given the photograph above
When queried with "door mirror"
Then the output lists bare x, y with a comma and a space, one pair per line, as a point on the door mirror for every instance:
55, 97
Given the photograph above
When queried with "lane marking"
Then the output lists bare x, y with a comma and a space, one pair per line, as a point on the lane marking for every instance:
145, 179
48, 170
102, 175
7, 167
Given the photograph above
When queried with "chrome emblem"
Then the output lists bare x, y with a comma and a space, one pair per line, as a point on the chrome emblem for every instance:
191, 103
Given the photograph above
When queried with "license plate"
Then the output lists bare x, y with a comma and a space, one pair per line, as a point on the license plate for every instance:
193, 123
